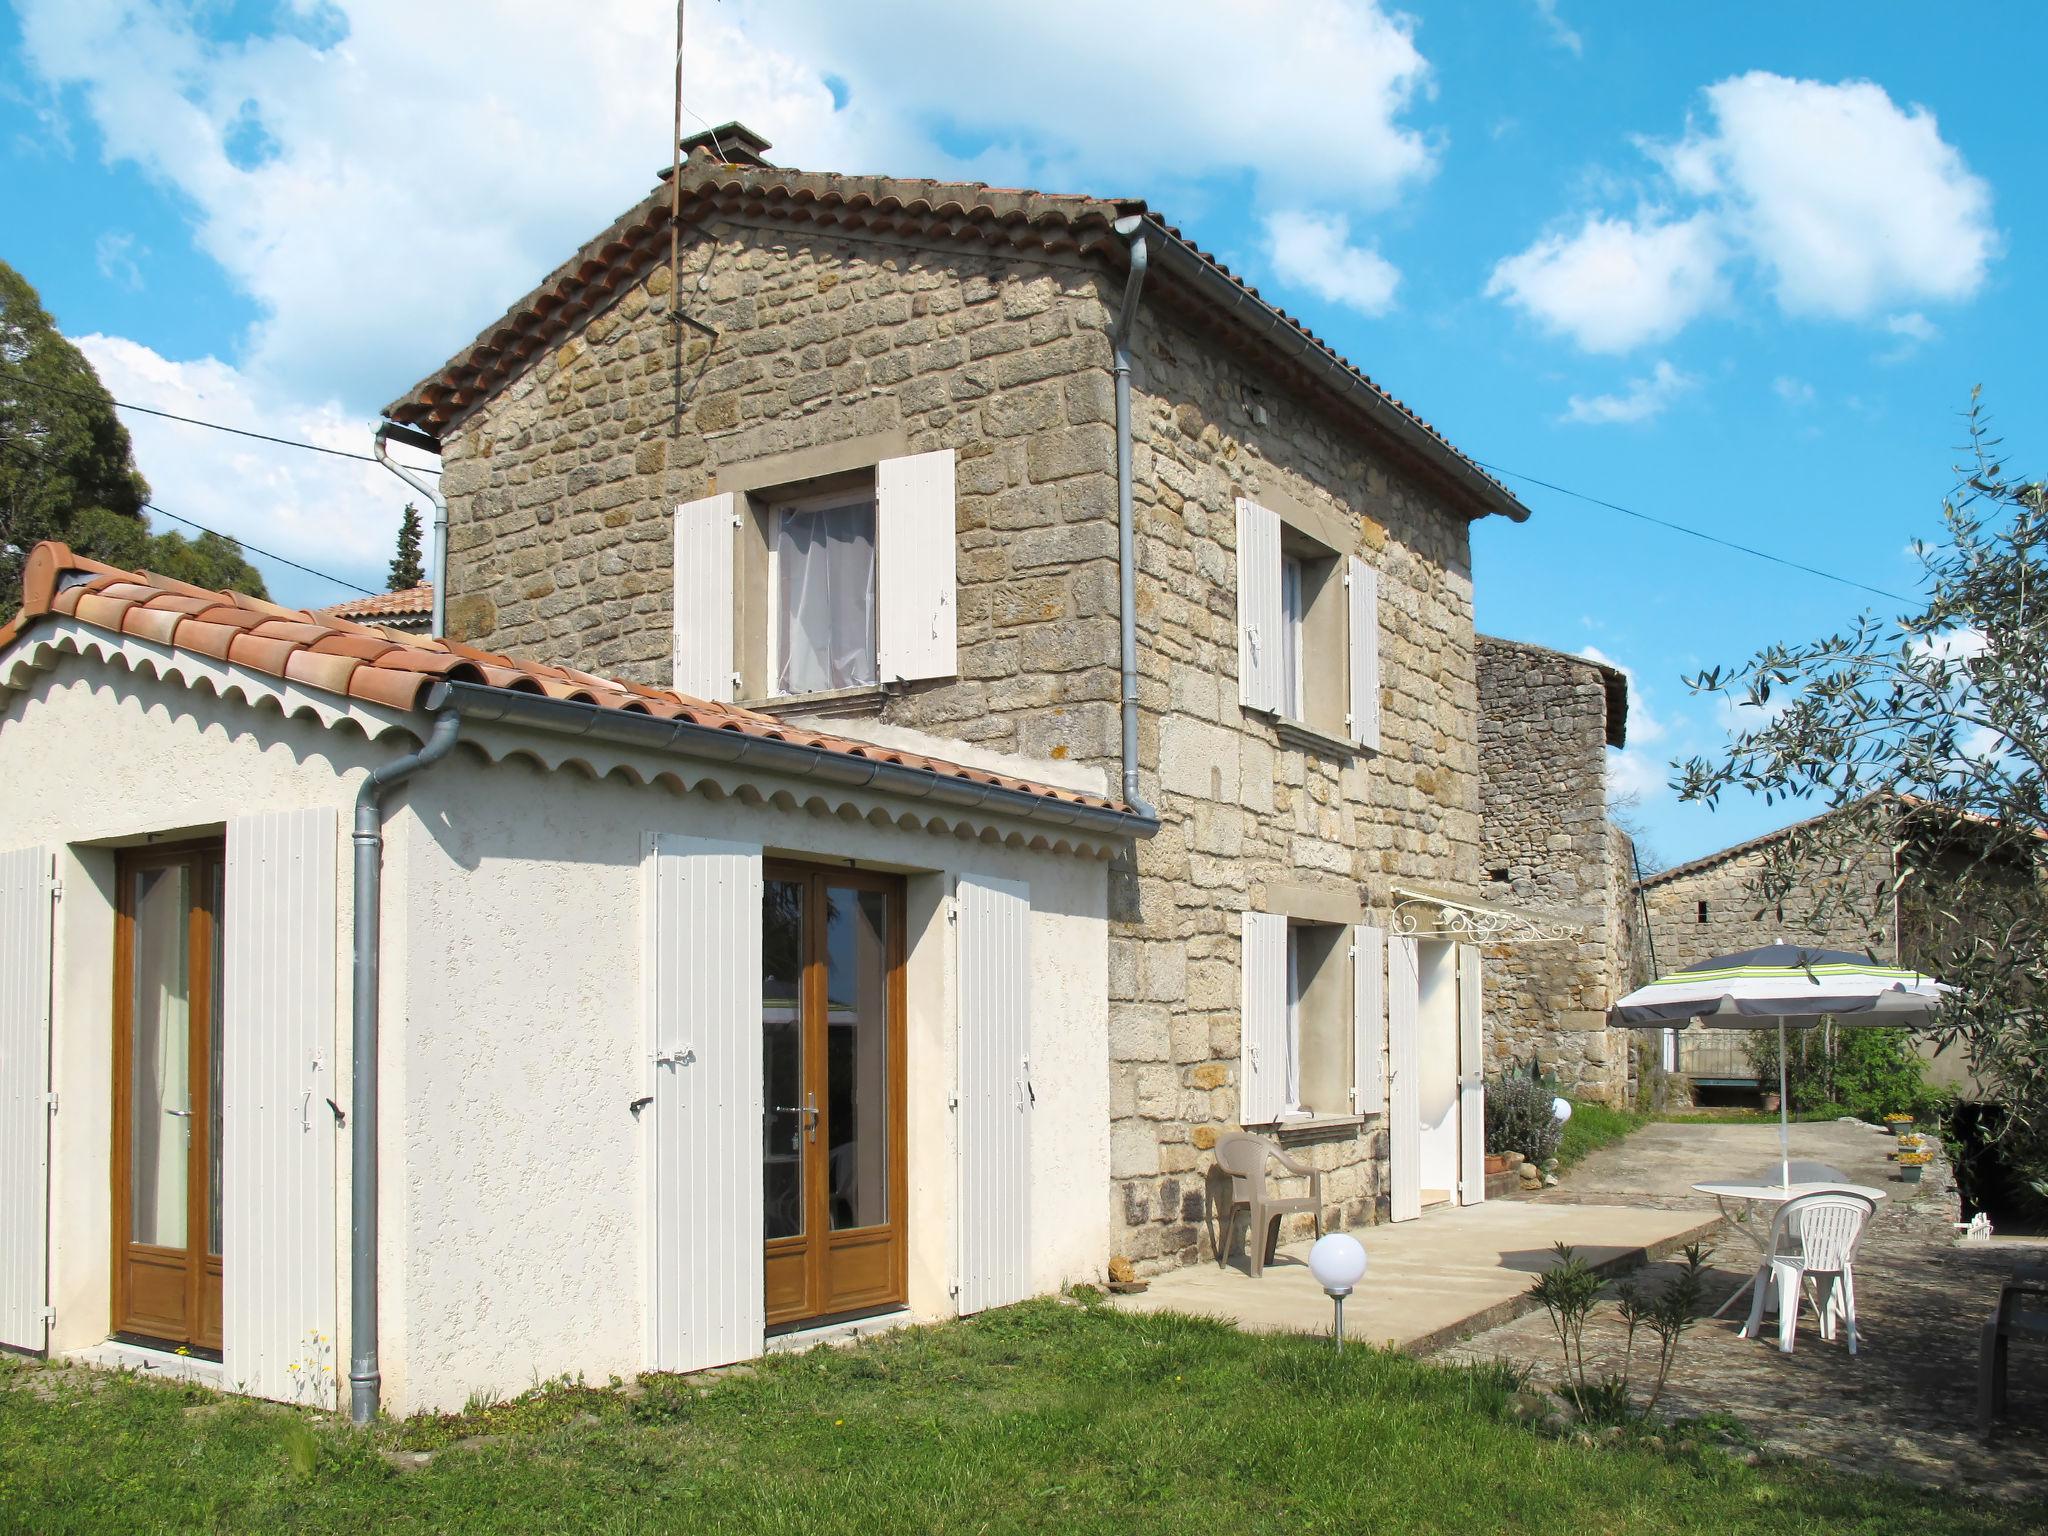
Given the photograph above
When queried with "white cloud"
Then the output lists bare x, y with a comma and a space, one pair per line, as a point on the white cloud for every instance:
336, 515
1792, 391
1851, 202
1846, 203
1635, 776
1642, 400
1314, 251
1643, 727
1615, 284
1913, 327
1560, 30
382, 178
114, 253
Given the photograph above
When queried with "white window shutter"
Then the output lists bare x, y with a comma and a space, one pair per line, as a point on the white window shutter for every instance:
993, 1134
1259, 673
1365, 654
1262, 1044
705, 613
1471, 1080
25, 896
915, 623
280, 979
706, 1303
1404, 1084
1368, 1019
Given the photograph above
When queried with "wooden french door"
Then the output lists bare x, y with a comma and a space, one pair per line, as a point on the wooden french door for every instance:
832, 1117
167, 1130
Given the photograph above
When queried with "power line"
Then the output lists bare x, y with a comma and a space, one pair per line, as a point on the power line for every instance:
1761, 554
215, 426
30, 455
151, 506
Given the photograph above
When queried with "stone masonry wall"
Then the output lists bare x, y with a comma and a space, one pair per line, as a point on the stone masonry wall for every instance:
562, 487
1547, 846
1250, 817
1738, 918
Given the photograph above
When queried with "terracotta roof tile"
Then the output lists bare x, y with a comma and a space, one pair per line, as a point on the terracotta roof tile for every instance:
379, 666
408, 603
966, 212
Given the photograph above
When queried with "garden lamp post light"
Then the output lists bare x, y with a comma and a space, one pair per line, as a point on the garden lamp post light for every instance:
1338, 1263
1560, 1110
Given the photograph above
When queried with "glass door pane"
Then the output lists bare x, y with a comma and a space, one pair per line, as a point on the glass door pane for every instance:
857, 1055
160, 1098
782, 1058
214, 874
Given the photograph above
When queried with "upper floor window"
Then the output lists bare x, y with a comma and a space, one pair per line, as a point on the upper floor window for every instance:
840, 576
1308, 626
822, 580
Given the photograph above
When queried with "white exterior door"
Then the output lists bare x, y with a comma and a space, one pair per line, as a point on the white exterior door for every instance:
1404, 1074
1471, 1080
279, 975
26, 893
703, 969
993, 1125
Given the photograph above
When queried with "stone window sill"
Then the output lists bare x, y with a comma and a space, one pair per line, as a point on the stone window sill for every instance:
1293, 733
868, 698
1321, 1125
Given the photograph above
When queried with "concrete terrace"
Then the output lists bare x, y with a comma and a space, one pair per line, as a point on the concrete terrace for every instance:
1431, 1281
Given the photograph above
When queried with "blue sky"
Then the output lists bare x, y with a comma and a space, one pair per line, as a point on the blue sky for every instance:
1738, 269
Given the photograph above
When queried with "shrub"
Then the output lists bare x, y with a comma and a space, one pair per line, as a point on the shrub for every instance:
1869, 1072
1519, 1118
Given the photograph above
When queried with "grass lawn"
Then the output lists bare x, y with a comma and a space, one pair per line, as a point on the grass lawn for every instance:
1041, 1417
1593, 1126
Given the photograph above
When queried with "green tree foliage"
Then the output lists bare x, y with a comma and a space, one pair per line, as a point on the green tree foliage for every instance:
407, 569
1927, 735
67, 470
1866, 1072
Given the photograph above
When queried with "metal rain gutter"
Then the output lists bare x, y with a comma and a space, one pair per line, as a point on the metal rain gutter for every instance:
390, 432
1189, 266
365, 1378
1132, 228
786, 759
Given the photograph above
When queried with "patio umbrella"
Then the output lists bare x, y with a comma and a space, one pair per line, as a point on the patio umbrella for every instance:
1783, 986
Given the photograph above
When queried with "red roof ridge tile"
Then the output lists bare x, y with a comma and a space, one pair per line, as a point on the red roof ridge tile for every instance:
386, 667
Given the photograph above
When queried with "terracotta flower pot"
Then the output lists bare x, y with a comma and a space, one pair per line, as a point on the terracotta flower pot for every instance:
1496, 1162
1771, 1103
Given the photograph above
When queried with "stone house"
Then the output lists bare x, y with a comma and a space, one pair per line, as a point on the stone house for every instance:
1873, 885
1548, 846
854, 459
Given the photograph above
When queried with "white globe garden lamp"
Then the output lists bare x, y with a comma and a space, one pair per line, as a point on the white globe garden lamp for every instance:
1338, 1263
1560, 1110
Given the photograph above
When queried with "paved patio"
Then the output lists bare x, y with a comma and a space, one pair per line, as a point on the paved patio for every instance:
1905, 1405
1452, 1271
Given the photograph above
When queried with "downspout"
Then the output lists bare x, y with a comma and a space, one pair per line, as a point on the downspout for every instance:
1132, 228
365, 1380
385, 434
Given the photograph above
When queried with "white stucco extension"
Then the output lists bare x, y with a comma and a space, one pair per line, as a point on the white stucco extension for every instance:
513, 1184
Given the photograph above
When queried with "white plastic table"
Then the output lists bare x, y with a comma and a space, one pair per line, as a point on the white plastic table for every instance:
1738, 1200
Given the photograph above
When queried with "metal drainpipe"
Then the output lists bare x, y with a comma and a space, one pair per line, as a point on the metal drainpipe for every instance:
1132, 228
432, 492
365, 1380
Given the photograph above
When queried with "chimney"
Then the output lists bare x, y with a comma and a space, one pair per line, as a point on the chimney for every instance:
728, 144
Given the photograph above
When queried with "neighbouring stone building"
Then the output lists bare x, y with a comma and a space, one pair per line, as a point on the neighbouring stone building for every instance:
1546, 722
623, 485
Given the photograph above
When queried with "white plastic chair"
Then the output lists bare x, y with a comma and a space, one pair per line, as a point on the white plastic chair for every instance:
1813, 1241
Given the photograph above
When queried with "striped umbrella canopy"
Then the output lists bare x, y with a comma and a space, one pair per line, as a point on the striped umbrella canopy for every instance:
1781, 987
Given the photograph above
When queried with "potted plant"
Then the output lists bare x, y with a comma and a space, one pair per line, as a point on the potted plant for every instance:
1771, 1102
1496, 1162
1898, 1124
1912, 1165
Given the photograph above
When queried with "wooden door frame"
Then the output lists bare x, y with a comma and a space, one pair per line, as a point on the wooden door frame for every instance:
201, 936
818, 1238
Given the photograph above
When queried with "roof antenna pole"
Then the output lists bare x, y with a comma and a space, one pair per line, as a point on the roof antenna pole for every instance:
675, 180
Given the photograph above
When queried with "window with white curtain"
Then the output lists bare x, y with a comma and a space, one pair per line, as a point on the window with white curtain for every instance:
822, 575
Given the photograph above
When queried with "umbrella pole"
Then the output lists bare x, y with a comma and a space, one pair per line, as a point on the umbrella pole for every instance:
1784, 1114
